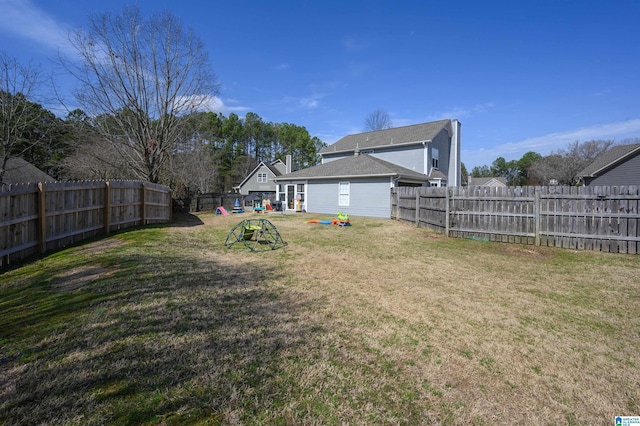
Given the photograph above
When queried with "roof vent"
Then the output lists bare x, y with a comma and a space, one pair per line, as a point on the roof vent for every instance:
356, 151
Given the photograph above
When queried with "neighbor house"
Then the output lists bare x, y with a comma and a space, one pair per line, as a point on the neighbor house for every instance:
18, 170
358, 171
620, 165
261, 178
487, 181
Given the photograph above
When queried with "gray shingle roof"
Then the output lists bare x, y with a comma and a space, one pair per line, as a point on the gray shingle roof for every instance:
356, 166
21, 171
609, 158
480, 181
437, 174
273, 169
395, 136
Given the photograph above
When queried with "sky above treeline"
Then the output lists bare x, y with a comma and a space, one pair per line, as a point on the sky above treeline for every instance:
519, 75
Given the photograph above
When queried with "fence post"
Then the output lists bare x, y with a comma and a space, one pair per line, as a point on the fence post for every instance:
397, 201
107, 207
42, 219
446, 211
536, 215
143, 197
417, 206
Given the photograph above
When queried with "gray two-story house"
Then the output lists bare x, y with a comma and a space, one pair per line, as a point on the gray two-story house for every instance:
358, 171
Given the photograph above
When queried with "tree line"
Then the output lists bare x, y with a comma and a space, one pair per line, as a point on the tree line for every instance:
560, 167
212, 154
142, 88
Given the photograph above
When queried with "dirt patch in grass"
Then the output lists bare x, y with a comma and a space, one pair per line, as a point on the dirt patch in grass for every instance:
100, 246
77, 278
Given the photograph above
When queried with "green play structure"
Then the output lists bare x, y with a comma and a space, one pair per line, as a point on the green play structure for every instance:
256, 235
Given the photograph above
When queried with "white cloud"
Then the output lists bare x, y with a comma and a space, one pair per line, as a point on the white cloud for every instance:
208, 103
23, 19
550, 142
308, 102
460, 112
353, 45
401, 122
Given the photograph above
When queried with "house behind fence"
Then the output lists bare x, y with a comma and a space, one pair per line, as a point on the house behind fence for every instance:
36, 218
602, 218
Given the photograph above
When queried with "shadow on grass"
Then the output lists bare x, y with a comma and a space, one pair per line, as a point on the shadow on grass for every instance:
185, 220
163, 339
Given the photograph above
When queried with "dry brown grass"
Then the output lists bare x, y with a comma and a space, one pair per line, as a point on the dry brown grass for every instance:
378, 323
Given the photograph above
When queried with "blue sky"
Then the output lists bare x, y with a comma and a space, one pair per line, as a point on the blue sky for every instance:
519, 75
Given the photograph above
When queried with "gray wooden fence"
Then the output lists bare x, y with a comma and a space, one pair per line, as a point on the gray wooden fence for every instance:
603, 218
35, 218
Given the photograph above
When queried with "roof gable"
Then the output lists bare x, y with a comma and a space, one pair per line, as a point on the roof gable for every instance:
262, 165
416, 133
278, 167
488, 181
21, 171
609, 159
354, 166
273, 167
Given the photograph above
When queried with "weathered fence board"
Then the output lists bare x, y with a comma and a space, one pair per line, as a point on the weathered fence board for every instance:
584, 218
35, 218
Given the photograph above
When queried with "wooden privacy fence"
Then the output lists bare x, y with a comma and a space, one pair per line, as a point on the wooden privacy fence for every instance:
35, 218
603, 218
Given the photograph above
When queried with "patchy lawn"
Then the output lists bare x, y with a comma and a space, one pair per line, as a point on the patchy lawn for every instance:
377, 323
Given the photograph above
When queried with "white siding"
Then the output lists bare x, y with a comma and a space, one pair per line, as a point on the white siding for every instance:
368, 197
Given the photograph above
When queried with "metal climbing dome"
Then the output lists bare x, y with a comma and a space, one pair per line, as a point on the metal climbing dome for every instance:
256, 235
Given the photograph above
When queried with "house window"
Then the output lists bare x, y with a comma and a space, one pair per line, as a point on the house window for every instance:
343, 194
300, 191
435, 158
262, 178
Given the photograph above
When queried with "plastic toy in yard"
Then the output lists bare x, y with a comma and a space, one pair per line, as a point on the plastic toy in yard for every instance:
342, 220
237, 208
256, 235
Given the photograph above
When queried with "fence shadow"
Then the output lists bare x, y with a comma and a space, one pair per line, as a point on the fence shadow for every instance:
185, 220
153, 337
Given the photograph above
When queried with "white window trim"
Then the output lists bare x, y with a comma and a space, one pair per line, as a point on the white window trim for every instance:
263, 178
342, 195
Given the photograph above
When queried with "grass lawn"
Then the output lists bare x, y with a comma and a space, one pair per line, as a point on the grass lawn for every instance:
377, 323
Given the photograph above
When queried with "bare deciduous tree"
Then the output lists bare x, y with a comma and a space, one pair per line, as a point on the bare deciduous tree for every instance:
379, 119
18, 83
191, 168
138, 79
564, 165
